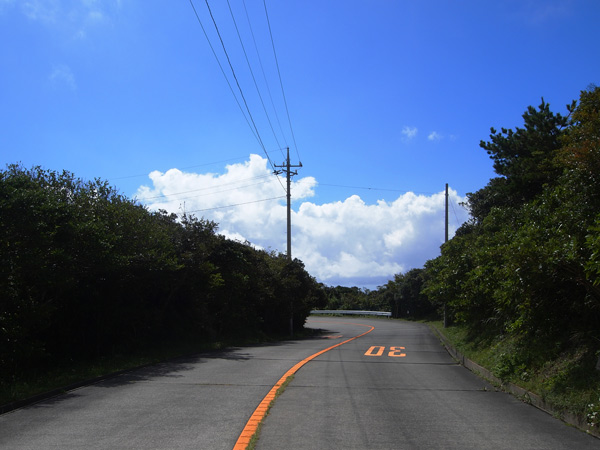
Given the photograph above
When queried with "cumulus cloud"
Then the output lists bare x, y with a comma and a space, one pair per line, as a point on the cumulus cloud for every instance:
247, 201
409, 132
347, 242
434, 136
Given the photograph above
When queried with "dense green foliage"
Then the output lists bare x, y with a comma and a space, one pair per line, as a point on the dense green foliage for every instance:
526, 268
85, 272
402, 296
349, 298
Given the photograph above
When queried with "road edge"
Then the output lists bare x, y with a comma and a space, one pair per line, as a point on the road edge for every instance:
523, 394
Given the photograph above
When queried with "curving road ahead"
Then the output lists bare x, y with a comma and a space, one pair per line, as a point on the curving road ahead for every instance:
397, 388
393, 388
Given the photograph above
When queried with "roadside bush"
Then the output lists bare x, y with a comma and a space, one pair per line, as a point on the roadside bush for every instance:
86, 272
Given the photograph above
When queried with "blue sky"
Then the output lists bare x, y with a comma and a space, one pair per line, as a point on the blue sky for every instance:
388, 101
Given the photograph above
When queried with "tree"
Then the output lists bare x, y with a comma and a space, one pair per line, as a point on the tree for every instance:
581, 143
527, 265
86, 272
525, 160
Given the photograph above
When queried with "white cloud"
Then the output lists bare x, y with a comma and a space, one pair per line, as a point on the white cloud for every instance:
62, 75
409, 132
434, 136
74, 18
42, 10
345, 242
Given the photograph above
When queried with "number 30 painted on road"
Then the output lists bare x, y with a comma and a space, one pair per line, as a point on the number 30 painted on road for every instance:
377, 350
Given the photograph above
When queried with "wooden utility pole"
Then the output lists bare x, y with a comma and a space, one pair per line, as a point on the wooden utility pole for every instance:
446, 222
287, 168
446, 240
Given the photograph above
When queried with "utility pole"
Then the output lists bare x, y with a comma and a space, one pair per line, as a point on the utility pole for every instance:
446, 240
287, 168
446, 221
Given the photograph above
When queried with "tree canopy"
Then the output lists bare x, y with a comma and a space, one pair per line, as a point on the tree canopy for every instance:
527, 264
86, 272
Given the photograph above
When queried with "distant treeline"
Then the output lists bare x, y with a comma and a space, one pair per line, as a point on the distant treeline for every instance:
402, 296
86, 272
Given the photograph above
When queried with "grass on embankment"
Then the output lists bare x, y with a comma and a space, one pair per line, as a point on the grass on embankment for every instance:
569, 381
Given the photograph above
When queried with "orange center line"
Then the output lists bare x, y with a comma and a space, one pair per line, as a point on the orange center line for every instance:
261, 411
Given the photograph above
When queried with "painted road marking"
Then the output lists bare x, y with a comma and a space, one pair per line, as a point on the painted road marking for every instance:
372, 352
396, 352
261, 411
377, 350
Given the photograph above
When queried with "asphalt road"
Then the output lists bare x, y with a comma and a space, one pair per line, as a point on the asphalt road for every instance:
397, 388
393, 388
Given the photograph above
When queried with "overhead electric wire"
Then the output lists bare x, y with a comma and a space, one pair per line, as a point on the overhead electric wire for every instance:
249, 117
454, 211
190, 167
212, 193
224, 74
252, 74
211, 187
237, 204
238, 83
280, 81
253, 127
262, 68
372, 188
228, 190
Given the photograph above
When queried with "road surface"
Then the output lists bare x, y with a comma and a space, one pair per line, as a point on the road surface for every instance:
393, 388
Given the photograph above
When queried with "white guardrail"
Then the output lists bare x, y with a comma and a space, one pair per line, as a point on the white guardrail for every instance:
352, 312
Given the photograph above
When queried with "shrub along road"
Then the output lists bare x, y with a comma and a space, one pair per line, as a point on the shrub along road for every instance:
392, 388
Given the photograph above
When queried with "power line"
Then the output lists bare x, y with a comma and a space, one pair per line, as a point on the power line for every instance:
252, 74
264, 75
249, 118
253, 127
238, 204
369, 188
454, 211
373, 188
190, 167
227, 190
213, 187
224, 74
238, 84
183, 168
209, 193
280, 81
266, 176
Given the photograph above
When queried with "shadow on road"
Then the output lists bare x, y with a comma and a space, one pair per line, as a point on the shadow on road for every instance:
174, 368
